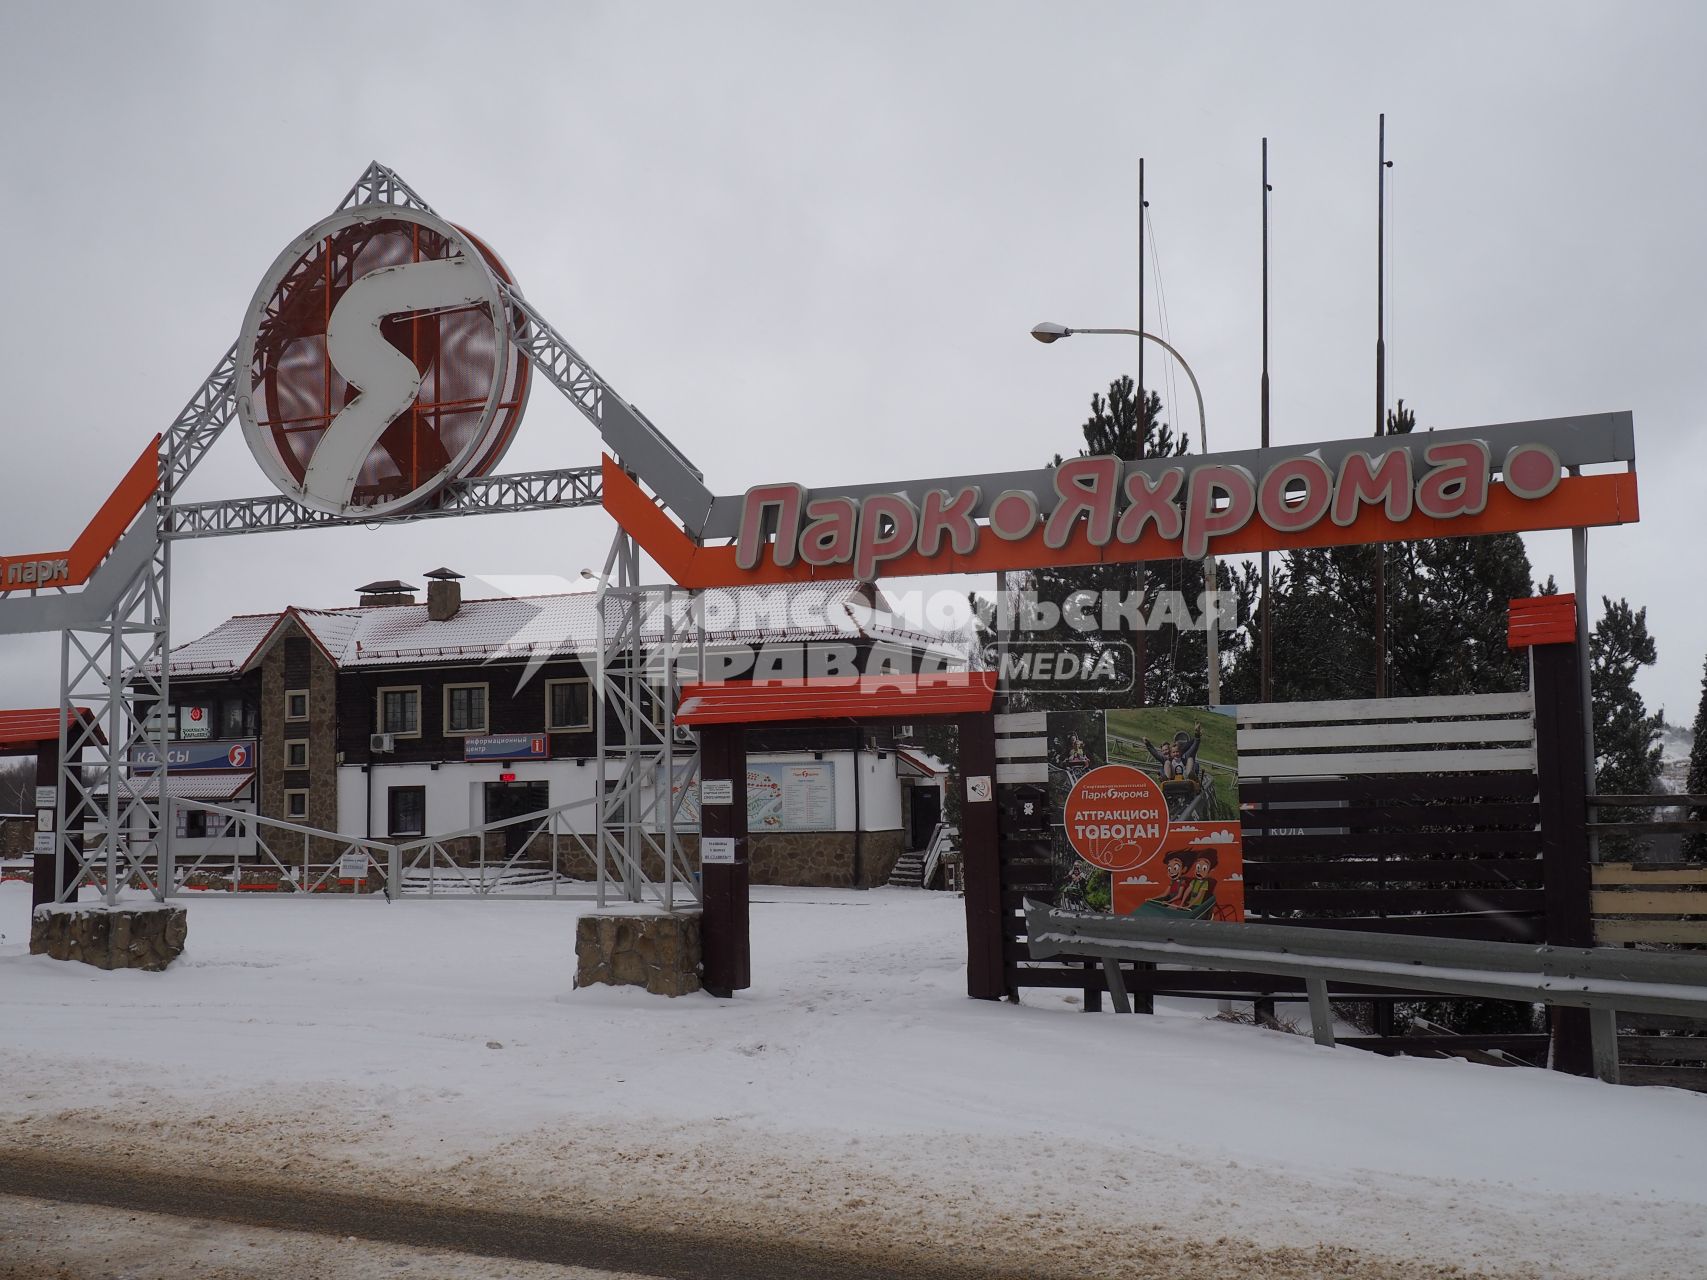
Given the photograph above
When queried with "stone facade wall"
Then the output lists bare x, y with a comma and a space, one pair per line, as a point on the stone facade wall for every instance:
320, 779
148, 937
814, 859
823, 858
656, 950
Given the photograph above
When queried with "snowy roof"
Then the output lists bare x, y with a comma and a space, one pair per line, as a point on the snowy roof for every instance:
199, 786
547, 626
226, 649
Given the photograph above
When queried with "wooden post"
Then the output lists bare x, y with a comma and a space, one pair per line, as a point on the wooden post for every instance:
42, 886
981, 858
724, 936
1564, 790
1093, 995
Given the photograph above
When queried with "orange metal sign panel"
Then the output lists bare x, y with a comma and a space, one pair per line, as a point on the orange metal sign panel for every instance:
1574, 502
72, 568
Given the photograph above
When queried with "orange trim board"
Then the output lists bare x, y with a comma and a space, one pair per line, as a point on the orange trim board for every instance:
1577, 502
1537, 620
73, 568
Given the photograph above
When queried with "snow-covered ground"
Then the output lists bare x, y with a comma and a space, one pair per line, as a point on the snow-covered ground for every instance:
854, 1093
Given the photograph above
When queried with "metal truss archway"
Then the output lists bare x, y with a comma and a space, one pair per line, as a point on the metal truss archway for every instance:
115, 633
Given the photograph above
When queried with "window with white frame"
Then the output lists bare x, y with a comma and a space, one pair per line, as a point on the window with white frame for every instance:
465, 708
568, 705
399, 711
296, 753
296, 704
296, 804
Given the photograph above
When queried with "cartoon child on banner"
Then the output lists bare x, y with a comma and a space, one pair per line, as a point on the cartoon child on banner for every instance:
1202, 877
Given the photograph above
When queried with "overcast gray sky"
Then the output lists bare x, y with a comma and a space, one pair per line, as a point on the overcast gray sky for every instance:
809, 239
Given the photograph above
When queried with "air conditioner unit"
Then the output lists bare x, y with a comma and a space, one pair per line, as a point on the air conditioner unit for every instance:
684, 734
379, 742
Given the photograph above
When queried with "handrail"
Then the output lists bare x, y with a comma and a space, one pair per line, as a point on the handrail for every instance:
939, 845
536, 816
398, 859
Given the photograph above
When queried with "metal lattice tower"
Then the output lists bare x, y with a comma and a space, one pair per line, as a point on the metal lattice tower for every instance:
645, 769
116, 670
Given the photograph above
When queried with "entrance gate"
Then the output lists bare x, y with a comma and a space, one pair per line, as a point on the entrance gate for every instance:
1096, 510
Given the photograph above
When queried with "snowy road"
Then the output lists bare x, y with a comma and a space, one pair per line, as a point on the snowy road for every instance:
853, 1102
417, 1234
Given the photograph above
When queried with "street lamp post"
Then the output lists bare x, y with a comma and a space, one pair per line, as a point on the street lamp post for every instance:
1048, 332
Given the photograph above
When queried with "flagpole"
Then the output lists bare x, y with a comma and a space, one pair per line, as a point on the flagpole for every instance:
1381, 396
1267, 582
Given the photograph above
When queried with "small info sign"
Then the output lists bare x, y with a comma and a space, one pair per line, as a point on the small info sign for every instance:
352, 866
717, 791
717, 849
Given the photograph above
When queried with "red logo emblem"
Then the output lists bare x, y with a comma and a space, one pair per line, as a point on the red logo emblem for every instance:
1116, 817
238, 756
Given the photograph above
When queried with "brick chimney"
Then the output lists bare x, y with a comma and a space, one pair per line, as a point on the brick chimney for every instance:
388, 592
444, 594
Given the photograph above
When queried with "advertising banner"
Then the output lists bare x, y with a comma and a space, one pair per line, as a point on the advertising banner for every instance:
195, 722
196, 757
1146, 812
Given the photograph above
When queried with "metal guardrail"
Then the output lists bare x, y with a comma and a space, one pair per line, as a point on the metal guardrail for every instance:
941, 842
1603, 980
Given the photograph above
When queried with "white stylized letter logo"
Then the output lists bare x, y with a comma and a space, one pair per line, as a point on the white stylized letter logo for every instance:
375, 364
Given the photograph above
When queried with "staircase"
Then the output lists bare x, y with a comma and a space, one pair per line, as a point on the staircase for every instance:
918, 870
909, 872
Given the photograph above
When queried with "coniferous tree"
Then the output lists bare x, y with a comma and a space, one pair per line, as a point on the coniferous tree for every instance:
1165, 664
1626, 737
1695, 844
1446, 616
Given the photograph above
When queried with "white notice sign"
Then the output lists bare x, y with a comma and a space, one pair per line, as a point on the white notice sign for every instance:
44, 842
717, 791
717, 849
978, 787
45, 796
352, 866
44, 819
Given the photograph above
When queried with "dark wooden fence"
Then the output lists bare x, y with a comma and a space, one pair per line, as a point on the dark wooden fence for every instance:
1458, 817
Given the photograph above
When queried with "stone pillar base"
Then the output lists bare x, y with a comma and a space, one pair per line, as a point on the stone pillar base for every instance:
149, 936
634, 946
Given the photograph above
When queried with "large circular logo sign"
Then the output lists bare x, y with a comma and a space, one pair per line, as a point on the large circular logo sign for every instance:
1116, 817
375, 364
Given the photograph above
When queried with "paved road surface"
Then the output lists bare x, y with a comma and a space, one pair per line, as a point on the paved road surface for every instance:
484, 1233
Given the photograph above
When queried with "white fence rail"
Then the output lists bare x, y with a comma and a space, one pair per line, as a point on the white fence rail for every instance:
1472, 733
543, 855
